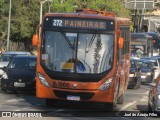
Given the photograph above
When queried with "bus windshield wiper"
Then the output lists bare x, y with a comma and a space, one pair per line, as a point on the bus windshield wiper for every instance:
90, 43
67, 40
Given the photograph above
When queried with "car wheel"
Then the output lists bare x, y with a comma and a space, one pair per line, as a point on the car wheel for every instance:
51, 102
135, 87
4, 90
139, 86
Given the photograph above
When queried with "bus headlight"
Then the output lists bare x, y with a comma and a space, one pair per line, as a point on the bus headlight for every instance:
43, 80
106, 85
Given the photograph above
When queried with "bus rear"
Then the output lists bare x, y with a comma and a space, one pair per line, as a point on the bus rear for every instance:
141, 41
77, 58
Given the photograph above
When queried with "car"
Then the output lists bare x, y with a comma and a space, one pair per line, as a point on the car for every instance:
147, 72
158, 57
135, 74
156, 65
7, 56
19, 74
154, 96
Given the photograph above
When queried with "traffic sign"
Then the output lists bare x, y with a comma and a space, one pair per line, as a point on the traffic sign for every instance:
139, 4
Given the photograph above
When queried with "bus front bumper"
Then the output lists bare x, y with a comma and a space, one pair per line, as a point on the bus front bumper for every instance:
78, 95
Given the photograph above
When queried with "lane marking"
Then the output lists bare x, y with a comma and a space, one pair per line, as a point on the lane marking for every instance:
127, 105
144, 99
146, 93
15, 100
123, 108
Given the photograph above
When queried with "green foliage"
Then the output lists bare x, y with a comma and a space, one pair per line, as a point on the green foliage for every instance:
25, 14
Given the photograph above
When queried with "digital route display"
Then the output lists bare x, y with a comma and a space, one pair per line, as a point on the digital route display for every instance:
70, 23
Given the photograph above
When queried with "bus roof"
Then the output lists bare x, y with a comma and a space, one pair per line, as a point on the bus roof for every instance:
89, 13
140, 35
155, 36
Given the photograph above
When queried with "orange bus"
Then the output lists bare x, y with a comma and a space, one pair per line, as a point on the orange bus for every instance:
83, 56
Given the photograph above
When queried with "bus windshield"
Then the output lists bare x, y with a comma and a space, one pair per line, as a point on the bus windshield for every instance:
141, 45
77, 52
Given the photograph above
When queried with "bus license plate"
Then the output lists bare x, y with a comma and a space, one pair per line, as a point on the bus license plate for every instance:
16, 84
75, 98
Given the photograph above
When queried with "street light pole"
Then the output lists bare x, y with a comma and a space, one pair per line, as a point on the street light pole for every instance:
41, 8
9, 21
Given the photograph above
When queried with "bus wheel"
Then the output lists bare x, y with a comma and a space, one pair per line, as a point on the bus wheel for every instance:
109, 106
120, 99
50, 102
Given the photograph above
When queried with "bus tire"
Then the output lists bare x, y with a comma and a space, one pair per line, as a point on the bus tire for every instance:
109, 106
120, 99
50, 102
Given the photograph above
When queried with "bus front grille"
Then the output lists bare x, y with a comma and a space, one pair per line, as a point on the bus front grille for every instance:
82, 95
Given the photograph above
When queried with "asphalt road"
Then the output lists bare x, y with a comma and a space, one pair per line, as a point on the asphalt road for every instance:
25, 104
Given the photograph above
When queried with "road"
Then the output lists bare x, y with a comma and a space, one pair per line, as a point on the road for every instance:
135, 103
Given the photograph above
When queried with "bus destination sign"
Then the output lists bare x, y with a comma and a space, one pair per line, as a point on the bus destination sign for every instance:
92, 24
138, 43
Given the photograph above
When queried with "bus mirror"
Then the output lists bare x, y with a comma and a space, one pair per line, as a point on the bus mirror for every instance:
35, 40
121, 42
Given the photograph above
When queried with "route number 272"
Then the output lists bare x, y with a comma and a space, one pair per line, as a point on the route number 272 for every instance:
57, 22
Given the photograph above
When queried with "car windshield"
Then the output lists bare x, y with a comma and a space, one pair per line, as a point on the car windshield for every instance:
23, 63
77, 52
6, 57
154, 62
146, 65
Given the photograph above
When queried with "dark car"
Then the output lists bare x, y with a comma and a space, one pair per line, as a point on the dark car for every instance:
135, 75
19, 74
154, 96
156, 42
147, 72
156, 65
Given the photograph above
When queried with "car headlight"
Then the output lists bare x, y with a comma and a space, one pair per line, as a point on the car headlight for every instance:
131, 75
106, 85
43, 80
5, 76
148, 73
34, 79
159, 97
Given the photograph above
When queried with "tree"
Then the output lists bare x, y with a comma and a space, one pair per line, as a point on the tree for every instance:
25, 14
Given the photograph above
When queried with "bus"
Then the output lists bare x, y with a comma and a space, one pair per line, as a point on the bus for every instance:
141, 41
83, 56
156, 42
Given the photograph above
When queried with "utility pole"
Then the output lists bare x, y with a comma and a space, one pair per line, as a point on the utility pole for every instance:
9, 26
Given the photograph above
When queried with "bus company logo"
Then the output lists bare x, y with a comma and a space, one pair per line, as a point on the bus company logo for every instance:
74, 85
6, 114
